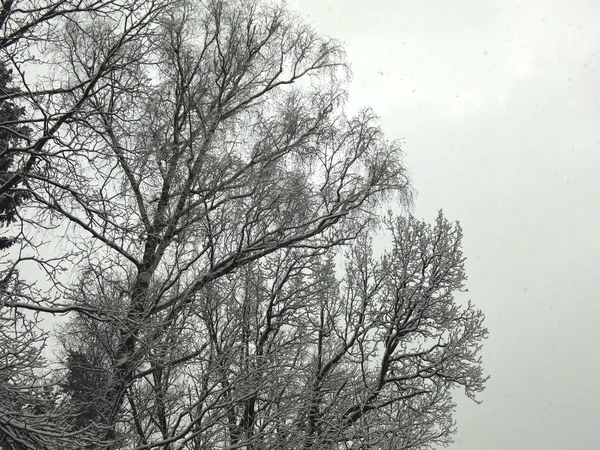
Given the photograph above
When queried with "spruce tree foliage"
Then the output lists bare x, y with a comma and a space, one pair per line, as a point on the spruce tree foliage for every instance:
84, 384
12, 133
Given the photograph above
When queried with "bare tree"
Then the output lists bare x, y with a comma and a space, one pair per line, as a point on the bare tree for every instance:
32, 413
199, 159
29, 29
33, 110
285, 353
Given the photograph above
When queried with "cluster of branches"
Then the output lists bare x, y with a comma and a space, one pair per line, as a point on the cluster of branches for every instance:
217, 207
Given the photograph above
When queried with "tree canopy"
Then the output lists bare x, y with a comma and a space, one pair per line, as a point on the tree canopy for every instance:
215, 206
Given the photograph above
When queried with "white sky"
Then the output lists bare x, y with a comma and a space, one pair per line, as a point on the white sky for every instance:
498, 105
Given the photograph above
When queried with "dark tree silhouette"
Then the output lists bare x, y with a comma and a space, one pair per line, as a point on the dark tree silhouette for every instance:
12, 133
84, 383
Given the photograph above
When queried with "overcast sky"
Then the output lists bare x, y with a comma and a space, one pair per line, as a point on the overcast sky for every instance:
497, 105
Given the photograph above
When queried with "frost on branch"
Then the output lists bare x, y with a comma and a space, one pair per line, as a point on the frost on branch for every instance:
199, 163
285, 353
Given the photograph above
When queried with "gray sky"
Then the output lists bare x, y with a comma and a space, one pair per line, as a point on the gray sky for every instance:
498, 105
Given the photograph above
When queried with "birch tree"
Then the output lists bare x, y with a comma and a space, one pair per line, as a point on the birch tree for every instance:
207, 178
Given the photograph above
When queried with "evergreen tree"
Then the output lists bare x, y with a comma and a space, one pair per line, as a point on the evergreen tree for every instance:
12, 133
